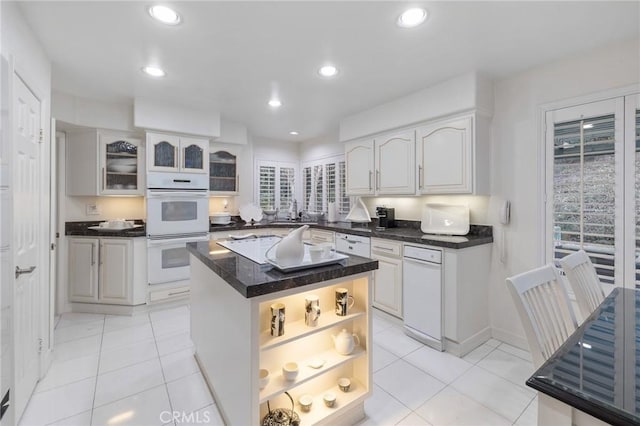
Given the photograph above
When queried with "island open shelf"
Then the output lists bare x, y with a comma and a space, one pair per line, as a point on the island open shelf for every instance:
231, 332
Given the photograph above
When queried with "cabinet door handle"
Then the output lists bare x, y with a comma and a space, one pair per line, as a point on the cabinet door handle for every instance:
419, 176
377, 179
383, 248
370, 173
93, 259
175, 293
20, 271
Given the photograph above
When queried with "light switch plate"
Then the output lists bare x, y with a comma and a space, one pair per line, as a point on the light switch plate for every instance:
92, 209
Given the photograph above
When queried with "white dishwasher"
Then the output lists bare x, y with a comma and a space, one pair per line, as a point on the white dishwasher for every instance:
422, 294
353, 244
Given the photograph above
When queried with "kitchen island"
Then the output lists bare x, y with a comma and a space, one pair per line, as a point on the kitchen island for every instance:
231, 298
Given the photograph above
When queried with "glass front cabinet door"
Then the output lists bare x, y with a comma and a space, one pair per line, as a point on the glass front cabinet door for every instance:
223, 172
122, 169
170, 153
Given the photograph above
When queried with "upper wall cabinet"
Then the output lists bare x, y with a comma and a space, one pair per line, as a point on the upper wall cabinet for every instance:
103, 163
360, 165
170, 153
382, 166
224, 178
452, 157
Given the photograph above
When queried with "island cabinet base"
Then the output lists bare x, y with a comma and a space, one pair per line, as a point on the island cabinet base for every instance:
233, 343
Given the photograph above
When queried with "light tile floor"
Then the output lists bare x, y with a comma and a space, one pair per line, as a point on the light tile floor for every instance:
114, 370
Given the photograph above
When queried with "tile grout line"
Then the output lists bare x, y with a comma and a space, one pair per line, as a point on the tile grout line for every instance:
164, 379
95, 386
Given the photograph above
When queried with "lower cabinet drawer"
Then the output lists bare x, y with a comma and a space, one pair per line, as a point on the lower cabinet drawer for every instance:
166, 294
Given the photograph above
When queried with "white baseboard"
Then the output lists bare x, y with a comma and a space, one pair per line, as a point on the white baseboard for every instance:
460, 349
510, 338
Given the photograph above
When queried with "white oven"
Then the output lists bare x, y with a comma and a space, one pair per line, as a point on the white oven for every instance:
177, 212
168, 258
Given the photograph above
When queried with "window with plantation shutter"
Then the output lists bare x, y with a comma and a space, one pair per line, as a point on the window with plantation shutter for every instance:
287, 180
267, 183
275, 186
324, 182
584, 191
343, 204
592, 186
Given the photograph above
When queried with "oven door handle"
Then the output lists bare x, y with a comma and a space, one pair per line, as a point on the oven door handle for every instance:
178, 195
163, 241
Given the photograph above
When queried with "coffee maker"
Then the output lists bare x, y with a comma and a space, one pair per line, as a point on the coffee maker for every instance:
386, 217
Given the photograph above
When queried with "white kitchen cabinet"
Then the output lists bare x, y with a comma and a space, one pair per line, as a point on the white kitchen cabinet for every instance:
453, 157
382, 166
387, 279
320, 236
359, 158
101, 162
107, 270
466, 298
395, 163
83, 269
224, 178
171, 153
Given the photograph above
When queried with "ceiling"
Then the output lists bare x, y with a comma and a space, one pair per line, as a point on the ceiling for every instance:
234, 55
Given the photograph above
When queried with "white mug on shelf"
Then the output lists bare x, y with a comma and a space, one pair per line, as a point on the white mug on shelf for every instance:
311, 310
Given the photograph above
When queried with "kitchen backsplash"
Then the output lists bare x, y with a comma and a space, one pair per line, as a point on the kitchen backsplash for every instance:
75, 208
410, 208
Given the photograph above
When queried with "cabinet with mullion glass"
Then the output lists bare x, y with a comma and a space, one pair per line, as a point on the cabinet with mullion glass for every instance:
223, 172
101, 162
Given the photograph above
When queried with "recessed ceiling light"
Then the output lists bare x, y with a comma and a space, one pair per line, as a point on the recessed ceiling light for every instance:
154, 71
164, 14
328, 71
412, 18
275, 103
294, 133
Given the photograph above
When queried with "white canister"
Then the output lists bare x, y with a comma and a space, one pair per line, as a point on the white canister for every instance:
331, 214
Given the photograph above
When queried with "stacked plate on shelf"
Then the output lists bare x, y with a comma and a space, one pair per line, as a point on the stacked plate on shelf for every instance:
122, 165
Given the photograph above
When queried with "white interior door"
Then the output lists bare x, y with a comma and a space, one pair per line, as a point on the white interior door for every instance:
26, 231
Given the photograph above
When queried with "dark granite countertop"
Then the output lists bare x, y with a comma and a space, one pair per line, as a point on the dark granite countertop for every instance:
596, 369
82, 229
252, 279
407, 231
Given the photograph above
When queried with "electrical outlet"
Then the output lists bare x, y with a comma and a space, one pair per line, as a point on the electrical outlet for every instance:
92, 209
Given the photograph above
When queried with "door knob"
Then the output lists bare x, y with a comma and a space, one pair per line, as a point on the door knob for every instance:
24, 271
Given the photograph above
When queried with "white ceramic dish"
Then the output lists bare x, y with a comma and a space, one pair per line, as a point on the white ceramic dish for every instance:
122, 168
220, 218
251, 212
110, 229
306, 263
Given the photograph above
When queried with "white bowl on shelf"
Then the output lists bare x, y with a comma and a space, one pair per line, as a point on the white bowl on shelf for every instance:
122, 168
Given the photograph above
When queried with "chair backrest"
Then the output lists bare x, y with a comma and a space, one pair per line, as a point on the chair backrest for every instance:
584, 280
545, 311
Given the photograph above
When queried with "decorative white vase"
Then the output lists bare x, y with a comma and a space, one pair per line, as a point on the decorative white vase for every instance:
290, 250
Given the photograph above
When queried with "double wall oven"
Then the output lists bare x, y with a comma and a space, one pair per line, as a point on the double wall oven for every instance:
177, 213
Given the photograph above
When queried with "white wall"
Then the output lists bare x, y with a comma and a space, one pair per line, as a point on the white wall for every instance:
92, 113
470, 91
515, 155
325, 146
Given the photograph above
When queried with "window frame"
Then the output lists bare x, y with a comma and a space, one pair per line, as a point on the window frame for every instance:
340, 185
278, 166
622, 103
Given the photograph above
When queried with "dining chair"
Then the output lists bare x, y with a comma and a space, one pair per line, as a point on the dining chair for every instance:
542, 303
583, 278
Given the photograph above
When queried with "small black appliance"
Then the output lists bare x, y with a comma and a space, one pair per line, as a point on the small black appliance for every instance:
386, 217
